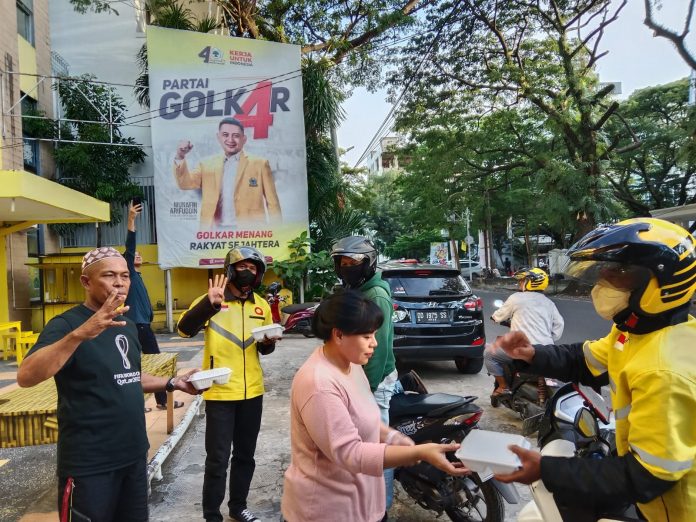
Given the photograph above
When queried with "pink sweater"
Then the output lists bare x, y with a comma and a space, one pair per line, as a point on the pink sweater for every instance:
337, 459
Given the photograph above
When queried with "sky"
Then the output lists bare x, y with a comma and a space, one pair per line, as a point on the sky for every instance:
636, 59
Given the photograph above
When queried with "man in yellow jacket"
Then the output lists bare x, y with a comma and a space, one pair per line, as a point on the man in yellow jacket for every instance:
229, 312
236, 188
644, 276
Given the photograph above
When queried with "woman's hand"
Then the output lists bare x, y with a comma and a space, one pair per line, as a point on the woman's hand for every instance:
435, 455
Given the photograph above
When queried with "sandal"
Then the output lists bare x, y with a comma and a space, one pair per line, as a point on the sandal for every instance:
177, 404
501, 391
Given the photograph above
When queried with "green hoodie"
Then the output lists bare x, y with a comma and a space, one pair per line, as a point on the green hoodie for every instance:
382, 362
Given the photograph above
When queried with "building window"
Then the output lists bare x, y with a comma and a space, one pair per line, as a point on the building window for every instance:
31, 146
25, 20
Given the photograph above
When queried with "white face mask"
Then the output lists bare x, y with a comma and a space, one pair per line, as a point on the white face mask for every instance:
609, 300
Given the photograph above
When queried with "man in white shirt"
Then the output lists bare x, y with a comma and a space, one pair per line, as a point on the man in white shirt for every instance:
528, 311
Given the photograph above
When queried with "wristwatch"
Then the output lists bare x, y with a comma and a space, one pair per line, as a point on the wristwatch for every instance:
170, 385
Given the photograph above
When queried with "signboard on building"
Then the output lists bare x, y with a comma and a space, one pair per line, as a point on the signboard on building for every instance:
228, 146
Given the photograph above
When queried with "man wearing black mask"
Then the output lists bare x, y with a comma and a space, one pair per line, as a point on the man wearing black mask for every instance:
229, 311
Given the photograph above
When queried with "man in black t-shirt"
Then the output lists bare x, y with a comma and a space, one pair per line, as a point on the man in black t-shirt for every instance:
93, 353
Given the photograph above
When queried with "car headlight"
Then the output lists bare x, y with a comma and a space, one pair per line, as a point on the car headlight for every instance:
400, 315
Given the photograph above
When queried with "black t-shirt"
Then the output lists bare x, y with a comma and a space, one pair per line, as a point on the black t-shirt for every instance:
101, 421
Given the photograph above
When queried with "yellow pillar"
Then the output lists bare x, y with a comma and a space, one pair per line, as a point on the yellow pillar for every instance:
4, 295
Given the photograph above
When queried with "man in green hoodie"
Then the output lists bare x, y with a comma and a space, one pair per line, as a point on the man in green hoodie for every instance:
355, 262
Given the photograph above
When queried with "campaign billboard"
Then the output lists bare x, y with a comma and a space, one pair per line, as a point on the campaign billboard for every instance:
228, 146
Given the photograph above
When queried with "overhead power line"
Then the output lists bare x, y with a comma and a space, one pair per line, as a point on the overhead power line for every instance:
389, 119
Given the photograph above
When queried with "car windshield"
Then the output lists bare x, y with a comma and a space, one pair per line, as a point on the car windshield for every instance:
414, 285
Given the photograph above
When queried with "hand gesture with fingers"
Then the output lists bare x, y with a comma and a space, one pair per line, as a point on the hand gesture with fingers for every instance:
134, 210
216, 289
104, 317
182, 149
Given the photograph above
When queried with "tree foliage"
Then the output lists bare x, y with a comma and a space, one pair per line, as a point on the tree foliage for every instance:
98, 160
661, 173
538, 56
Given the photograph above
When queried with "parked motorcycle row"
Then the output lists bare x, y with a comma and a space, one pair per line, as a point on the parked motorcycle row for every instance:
570, 421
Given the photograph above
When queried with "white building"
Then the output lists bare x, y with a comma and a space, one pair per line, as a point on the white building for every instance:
383, 155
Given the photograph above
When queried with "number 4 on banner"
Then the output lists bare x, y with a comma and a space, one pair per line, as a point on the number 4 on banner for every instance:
258, 102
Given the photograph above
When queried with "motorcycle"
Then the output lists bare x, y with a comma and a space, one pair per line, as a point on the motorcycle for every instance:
445, 418
528, 393
299, 318
570, 427
274, 300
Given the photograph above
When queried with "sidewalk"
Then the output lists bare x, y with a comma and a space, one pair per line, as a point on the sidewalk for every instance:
190, 354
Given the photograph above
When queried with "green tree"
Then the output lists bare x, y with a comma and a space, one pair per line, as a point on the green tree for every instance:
92, 155
313, 271
661, 173
539, 56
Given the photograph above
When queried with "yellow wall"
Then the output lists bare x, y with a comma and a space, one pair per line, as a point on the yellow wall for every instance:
4, 295
27, 65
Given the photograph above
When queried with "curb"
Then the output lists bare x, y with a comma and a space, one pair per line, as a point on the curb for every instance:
154, 467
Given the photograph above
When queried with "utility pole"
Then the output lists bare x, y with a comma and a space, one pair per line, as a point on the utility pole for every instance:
489, 233
467, 216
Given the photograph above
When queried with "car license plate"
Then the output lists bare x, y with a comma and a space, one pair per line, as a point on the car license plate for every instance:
432, 316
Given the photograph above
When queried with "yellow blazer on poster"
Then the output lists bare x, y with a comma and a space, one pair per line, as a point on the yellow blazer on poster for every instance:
254, 189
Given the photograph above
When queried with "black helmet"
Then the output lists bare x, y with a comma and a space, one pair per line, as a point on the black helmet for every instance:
236, 255
274, 287
360, 249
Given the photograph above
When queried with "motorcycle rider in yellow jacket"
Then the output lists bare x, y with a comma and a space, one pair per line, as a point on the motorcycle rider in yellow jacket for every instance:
644, 276
229, 312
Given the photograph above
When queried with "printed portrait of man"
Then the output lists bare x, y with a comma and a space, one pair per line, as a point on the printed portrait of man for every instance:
236, 188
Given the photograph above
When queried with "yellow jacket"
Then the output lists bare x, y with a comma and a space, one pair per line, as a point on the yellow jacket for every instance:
229, 342
254, 188
653, 386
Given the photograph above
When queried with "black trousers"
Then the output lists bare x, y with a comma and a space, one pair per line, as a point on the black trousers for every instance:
116, 496
149, 343
234, 424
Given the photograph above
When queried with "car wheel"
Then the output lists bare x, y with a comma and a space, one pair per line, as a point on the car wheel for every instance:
469, 366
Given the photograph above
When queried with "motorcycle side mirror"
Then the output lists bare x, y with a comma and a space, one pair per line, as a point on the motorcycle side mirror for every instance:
586, 423
498, 303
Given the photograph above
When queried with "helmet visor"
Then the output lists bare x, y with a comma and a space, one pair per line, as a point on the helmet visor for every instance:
358, 258
619, 275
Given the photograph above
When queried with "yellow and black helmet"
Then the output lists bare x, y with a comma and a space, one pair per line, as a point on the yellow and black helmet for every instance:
535, 279
241, 254
653, 258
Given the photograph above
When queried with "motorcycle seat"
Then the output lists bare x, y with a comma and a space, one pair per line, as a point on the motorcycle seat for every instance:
298, 307
428, 404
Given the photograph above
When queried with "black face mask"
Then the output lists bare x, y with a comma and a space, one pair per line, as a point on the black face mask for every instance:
244, 279
352, 276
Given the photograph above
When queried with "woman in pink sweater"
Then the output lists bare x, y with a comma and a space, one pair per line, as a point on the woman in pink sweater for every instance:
339, 445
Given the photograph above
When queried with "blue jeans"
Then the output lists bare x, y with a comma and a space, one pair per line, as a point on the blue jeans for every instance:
383, 394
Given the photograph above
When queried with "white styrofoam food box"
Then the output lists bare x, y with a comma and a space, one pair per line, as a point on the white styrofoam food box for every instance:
486, 452
270, 330
205, 378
